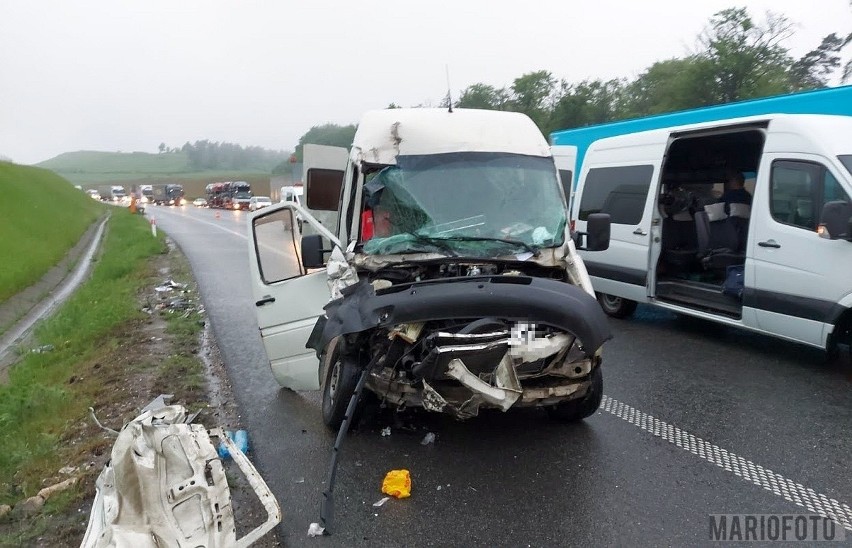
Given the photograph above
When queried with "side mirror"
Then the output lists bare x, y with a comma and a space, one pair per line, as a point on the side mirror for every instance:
312, 251
596, 234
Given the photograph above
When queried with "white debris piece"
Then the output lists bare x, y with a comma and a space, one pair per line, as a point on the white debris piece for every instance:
381, 501
161, 482
386, 431
314, 530
428, 438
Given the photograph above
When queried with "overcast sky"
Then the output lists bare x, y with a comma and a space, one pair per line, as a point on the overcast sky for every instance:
127, 75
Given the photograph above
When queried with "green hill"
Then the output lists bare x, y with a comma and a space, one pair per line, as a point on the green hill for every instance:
42, 216
88, 168
91, 161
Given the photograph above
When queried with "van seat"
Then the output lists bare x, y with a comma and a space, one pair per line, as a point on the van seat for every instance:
719, 245
680, 245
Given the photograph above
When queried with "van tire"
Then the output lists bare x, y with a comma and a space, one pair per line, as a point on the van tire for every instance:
579, 409
340, 381
616, 307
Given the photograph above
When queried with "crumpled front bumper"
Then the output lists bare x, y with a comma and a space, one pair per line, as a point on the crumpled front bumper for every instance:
490, 369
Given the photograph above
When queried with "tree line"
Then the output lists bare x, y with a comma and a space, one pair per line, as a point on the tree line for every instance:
204, 155
735, 58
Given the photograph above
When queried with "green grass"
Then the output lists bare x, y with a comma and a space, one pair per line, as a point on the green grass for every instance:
42, 216
48, 391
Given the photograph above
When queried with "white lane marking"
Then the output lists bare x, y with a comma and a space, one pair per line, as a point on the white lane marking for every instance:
731, 462
196, 219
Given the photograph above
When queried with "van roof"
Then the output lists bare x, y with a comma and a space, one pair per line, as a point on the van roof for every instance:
384, 134
832, 132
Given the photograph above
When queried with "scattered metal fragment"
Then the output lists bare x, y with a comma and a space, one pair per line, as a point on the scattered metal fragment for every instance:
381, 501
43, 349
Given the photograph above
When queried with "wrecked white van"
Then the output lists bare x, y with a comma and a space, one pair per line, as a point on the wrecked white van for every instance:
436, 256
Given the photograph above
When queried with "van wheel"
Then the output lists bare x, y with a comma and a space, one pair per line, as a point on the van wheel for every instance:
575, 410
340, 382
616, 307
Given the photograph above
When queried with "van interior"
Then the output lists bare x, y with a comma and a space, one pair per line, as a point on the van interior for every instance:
703, 240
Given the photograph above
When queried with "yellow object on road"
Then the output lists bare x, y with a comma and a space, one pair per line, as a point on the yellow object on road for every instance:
397, 483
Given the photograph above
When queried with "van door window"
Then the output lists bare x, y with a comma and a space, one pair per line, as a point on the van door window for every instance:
620, 191
276, 243
798, 191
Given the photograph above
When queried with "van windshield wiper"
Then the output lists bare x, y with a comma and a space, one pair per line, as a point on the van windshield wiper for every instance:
440, 243
532, 249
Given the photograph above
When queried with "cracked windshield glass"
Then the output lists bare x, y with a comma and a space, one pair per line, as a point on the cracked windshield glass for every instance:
464, 204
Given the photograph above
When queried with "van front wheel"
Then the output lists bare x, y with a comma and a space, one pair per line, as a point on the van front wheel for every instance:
616, 307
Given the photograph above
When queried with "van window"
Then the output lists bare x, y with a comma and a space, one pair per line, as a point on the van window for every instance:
799, 190
620, 191
847, 161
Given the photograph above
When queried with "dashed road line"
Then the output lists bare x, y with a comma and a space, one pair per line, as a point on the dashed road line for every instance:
747, 470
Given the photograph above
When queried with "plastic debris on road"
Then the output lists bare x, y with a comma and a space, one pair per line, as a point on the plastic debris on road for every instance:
315, 530
428, 438
386, 431
381, 501
397, 483
240, 439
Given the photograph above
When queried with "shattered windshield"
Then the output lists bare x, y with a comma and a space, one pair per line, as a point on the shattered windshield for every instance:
465, 204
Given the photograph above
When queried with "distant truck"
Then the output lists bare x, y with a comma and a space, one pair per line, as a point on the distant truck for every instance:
238, 195
169, 194
147, 194
112, 193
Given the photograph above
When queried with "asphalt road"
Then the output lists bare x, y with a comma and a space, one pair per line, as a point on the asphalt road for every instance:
698, 419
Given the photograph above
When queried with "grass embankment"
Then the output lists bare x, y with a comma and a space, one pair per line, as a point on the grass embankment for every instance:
42, 216
102, 356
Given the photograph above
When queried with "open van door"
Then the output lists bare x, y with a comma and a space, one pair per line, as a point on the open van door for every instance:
288, 297
322, 171
565, 158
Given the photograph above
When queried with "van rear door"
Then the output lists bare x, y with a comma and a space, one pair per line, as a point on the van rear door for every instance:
627, 192
565, 158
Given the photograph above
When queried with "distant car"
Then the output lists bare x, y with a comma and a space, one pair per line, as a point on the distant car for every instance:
199, 202
258, 202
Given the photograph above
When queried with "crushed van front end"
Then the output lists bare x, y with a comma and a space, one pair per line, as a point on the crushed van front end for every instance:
458, 344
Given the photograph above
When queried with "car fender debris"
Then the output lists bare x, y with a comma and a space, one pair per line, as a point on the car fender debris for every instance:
162, 480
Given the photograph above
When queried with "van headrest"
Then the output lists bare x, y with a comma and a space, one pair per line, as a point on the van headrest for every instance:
716, 212
742, 211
